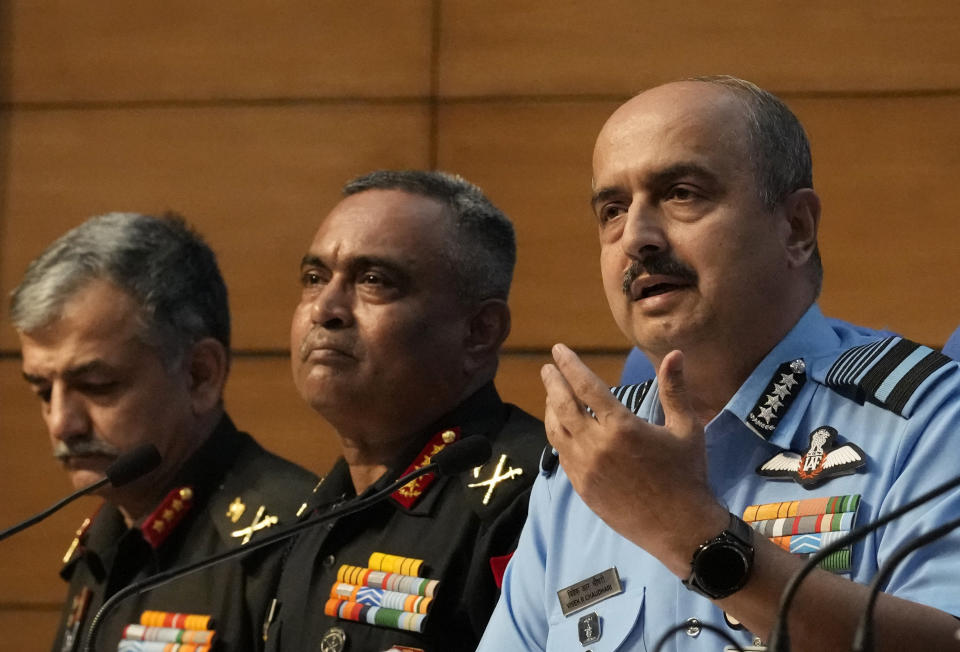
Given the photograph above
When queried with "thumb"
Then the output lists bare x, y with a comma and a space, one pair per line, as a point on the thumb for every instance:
677, 406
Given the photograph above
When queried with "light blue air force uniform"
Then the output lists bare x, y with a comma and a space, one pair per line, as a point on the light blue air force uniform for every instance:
898, 402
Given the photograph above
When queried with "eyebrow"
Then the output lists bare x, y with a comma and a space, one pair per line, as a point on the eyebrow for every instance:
313, 260
72, 373
658, 179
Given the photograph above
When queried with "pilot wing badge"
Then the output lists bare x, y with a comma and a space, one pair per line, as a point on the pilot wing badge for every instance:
821, 461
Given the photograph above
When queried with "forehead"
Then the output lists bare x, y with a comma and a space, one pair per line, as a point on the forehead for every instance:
384, 222
98, 320
683, 123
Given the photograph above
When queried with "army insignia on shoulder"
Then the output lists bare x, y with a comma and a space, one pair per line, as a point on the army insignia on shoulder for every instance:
780, 393
236, 510
261, 520
499, 475
821, 461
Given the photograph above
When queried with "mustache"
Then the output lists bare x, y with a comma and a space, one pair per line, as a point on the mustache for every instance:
660, 264
80, 447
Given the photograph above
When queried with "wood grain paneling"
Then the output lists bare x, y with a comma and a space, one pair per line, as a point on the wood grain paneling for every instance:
533, 160
254, 180
886, 171
28, 630
883, 167
222, 49
618, 47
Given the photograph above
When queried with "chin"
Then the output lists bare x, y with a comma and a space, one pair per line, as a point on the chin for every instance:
83, 478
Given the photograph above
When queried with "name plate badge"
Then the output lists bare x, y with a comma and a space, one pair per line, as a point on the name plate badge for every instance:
590, 591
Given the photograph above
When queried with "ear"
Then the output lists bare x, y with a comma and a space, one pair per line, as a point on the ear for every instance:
803, 220
487, 329
208, 369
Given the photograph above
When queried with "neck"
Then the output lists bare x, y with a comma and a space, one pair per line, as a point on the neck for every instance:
715, 369
139, 498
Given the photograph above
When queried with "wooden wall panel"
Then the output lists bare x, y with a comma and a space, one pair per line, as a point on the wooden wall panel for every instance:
886, 170
883, 166
254, 180
32, 481
533, 160
617, 47
28, 630
179, 50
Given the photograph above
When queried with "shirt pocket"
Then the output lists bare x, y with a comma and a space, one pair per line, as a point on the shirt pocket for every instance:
621, 625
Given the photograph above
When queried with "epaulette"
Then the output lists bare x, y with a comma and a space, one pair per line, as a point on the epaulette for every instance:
632, 395
885, 372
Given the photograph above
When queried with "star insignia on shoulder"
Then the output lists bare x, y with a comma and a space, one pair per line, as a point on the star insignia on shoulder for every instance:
822, 460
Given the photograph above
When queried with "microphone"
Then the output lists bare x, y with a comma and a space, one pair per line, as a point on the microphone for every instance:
126, 468
863, 638
779, 634
455, 458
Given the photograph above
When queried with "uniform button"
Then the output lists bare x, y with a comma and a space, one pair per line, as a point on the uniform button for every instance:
693, 627
334, 640
329, 561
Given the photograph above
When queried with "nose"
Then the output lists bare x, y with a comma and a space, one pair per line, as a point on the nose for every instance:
643, 232
332, 307
65, 414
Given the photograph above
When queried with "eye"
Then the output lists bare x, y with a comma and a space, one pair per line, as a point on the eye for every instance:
43, 393
98, 388
610, 211
681, 193
310, 278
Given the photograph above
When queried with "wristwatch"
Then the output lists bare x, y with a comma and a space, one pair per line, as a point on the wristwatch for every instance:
722, 565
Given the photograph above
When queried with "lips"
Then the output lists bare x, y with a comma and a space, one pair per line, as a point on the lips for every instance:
651, 286
322, 349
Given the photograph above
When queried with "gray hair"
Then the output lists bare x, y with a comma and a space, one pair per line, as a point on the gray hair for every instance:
780, 149
485, 251
160, 261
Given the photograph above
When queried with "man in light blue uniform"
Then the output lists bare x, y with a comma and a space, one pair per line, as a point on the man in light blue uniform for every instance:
769, 431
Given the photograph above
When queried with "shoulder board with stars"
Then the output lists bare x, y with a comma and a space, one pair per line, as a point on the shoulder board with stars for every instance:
786, 383
885, 372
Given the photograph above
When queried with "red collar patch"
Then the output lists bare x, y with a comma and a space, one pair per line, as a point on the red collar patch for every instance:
410, 493
164, 519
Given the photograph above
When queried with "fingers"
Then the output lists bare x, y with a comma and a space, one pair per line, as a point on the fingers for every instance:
585, 386
678, 411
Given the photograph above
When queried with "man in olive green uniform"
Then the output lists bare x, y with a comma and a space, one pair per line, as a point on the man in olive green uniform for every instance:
125, 333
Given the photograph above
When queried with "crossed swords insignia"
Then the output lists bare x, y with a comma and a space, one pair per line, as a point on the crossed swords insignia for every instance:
499, 475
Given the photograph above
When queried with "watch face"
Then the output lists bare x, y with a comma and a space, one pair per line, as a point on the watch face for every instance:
722, 568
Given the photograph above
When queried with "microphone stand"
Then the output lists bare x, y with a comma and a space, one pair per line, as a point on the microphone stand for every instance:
50, 510
174, 573
863, 639
779, 635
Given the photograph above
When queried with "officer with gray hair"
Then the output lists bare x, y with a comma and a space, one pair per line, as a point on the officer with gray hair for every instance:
124, 329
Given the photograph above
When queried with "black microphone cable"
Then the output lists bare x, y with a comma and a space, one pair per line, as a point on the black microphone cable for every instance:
457, 457
863, 638
779, 634
127, 468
